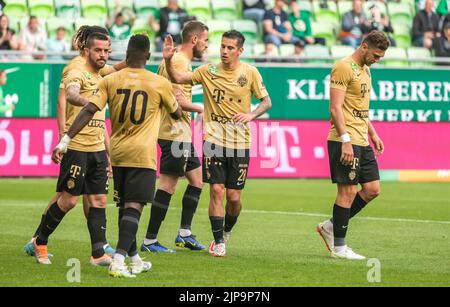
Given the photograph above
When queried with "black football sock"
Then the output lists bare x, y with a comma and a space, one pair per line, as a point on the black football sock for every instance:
128, 230
190, 202
52, 219
229, 222
96, 222
133, 249
341, 217
357, 205
158, 213
217, 228
36, 233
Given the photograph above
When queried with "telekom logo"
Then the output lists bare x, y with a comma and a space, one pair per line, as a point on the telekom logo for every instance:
279, 149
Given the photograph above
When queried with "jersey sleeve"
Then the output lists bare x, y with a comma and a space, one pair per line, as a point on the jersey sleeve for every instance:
100, 96
168, 98
198, 74
258, 88
341, 75
74, 77
108, 69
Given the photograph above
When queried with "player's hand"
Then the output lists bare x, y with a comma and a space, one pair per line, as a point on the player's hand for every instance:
243, 117
57, 155
168, 50
347, 153
378, 145
109, 169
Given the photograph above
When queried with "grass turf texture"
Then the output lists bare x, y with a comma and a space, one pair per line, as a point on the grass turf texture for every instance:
273, 244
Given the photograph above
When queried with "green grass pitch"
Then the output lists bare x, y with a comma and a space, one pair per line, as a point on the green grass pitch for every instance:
273, 244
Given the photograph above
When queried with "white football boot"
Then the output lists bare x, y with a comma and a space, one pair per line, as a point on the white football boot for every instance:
326, 235
346, 253
140, 266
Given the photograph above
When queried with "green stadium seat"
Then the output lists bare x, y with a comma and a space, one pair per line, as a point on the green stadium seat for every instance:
287, 50
402, 35
327, 14
341, 51
42, 9
400, 13
89, 21
217, 28
324, 30
259, 49
68, 8
316, 51
126, 5
198, 8
225, 10
16, 9
344, 7
147, 8
55, 22
14, 24
248, 28
142, 25
305, 6
94, 9
248, 52
393, 57
418, 53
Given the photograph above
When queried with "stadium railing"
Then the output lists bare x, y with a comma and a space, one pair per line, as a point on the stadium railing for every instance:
10, 56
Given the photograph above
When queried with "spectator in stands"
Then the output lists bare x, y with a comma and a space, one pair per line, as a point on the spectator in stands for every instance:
277, 28
441, 45
118, 27
171, 21
8, 40
354, 25
425, 26
445, 20
301, 26
58, 44
33, 38
255, 9
381, 22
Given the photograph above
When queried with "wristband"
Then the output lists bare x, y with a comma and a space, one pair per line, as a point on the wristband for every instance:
62, 145
345, 138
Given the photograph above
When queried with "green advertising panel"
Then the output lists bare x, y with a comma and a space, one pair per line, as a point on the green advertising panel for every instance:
27, 90
397, 94
297, 93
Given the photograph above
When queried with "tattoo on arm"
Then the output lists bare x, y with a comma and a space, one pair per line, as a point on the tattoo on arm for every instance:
263, 107
82, 119
73, 96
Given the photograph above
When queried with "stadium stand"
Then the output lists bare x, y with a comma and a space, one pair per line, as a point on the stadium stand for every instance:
220, 16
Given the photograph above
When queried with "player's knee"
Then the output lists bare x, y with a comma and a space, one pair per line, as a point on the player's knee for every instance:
233, 199
67, 204
217, 190
98, 201
373, 193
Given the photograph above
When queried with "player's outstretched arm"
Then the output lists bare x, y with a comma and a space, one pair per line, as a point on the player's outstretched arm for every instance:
263, 107
73, 96
82, 119
178, 77
185, 104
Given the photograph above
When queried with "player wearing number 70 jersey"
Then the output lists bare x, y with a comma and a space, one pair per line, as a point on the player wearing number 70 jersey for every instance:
135, 97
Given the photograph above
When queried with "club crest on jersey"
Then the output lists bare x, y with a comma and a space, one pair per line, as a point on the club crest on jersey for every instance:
352, 175
70, 184
213, 69
88, 74
242, 81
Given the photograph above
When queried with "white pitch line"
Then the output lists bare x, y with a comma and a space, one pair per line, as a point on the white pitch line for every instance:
386, 219
293, 213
